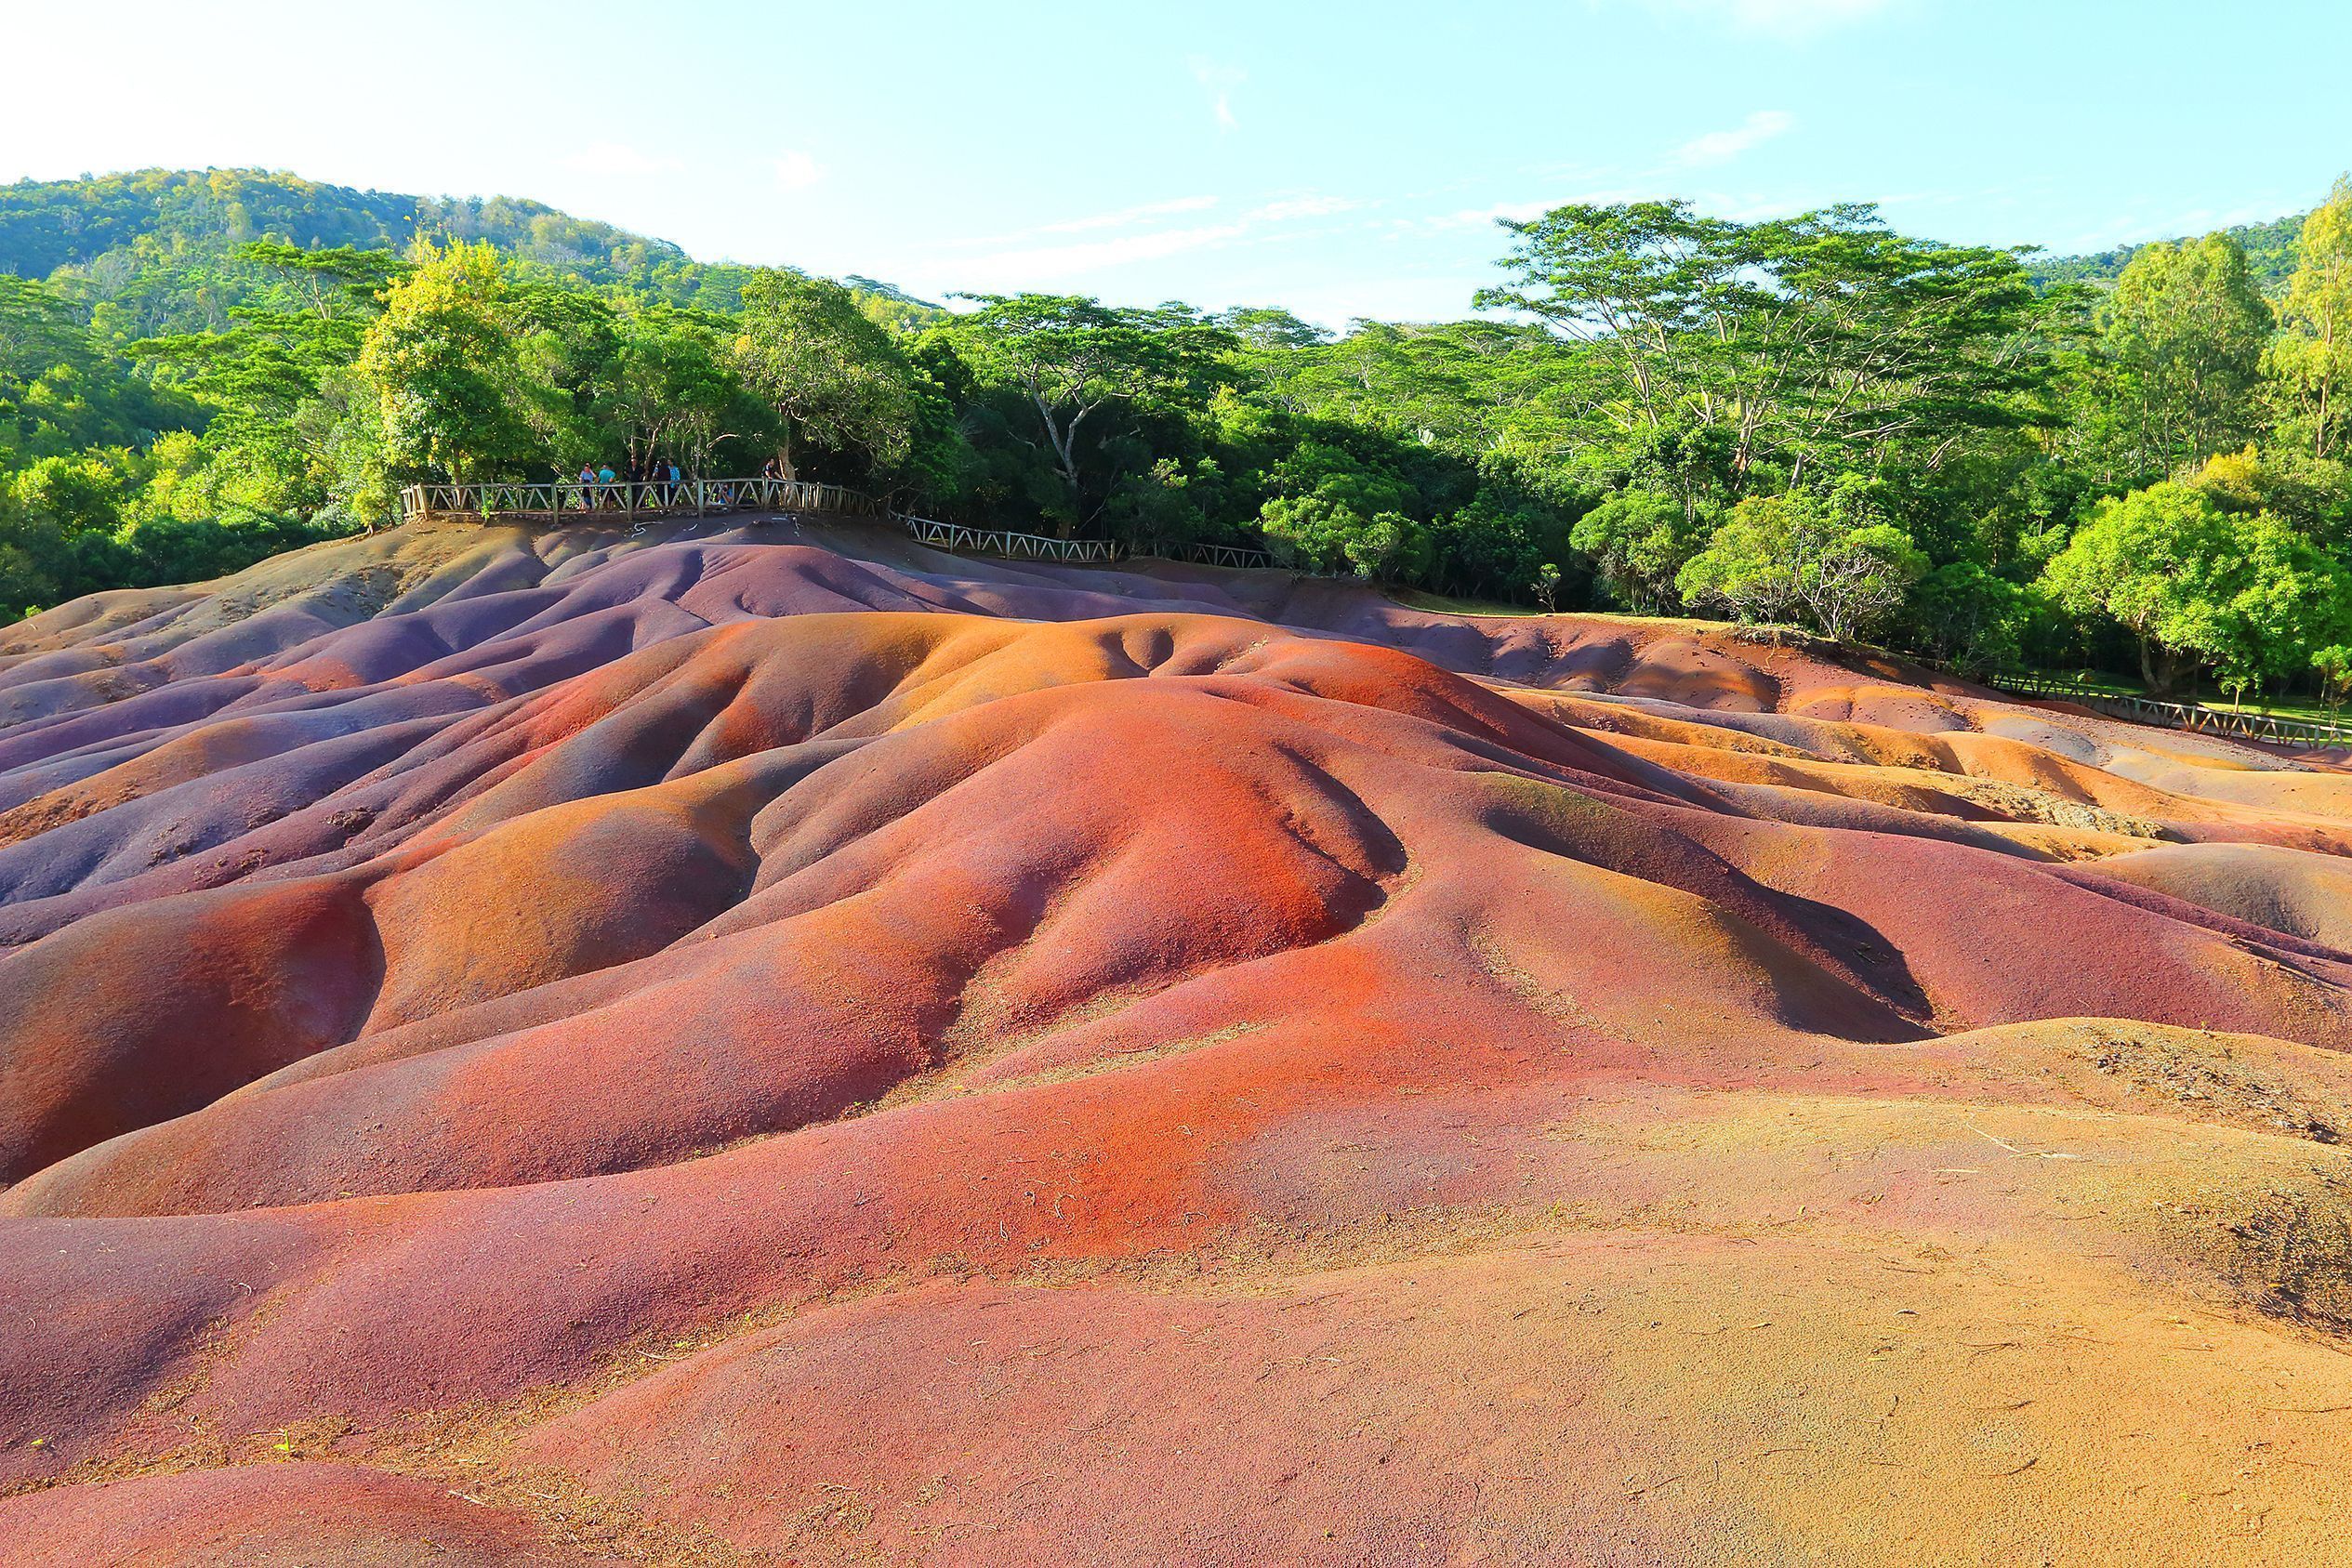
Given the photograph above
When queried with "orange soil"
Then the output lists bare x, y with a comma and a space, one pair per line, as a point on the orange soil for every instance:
779, 1046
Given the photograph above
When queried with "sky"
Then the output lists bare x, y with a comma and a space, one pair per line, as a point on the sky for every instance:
1340, 159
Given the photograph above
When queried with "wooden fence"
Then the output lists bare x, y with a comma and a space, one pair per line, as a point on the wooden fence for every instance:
1214, 555
2178, 716
995, 541
559, 502
572, 501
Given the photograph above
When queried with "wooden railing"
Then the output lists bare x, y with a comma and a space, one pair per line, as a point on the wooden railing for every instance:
1021, 546
557, 502
1214, 555
2191, 717
562, 501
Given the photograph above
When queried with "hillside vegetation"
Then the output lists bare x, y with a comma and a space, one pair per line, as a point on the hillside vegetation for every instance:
1813, 420
157, 250
2272, 250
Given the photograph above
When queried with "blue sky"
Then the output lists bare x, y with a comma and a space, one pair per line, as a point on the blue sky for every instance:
1343, 159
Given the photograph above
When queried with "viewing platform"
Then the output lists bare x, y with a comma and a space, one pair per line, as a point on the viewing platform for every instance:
557, 502
571, 501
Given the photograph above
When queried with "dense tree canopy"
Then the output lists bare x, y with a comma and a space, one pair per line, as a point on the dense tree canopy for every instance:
2311, 361
2184, 330
2196, 585
1827, 557
1812, 420
1818, 341
835, 377
1074, 360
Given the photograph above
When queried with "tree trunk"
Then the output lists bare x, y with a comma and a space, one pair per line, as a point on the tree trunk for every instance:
2326, 383
1064, 439
2160, 667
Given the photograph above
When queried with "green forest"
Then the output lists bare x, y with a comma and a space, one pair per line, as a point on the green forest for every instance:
2134, 463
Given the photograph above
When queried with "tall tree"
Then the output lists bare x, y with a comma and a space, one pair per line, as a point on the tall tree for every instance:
1822, 339
2311, 360
1829, 557
1642, 284
451, 389
2185, 331
1072, 359
677, 389
277, 377
343, 283
835, 377
39, 328
2197, 585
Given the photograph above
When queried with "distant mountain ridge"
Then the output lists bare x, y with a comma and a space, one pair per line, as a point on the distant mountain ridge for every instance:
104, 237
152, 251
2271, 250
48, 224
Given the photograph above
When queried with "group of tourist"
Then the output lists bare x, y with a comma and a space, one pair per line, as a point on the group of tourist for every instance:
653, 487
598, 482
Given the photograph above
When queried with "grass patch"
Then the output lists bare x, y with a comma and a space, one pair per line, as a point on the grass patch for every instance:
1447, 604
2100, 683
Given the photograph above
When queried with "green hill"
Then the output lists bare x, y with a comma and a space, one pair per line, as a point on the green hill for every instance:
2270, 251
150, 252
153, 252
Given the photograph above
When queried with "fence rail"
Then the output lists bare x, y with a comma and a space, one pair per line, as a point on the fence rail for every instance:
621, 498
556, 502
1214, 555
996, 541
2191, 717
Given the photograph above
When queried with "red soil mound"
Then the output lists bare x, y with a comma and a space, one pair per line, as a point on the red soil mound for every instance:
274, 1516
2280, 890
783, 1046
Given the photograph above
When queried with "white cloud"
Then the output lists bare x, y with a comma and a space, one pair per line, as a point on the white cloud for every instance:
1221, 80
1780, 19
1054, 262
2143, 222
1519, 212
1127, 217
1739, 208
619, 161
1288, 208
1441, 297
1124, 218
1018, 262
1715, 147
797, 170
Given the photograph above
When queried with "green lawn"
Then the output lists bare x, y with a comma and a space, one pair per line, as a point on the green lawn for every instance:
1447, 604
2113, 685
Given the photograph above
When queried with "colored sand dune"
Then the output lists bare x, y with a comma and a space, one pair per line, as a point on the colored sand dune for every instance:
781, 1045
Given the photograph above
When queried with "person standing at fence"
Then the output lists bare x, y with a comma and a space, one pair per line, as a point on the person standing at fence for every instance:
587, 487
604, 484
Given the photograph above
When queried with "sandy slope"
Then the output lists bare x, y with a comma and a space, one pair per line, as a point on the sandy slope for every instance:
778, 1044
